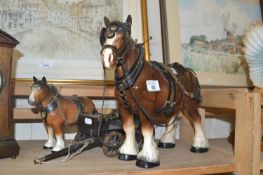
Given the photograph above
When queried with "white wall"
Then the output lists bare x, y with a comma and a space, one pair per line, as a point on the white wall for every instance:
154, 26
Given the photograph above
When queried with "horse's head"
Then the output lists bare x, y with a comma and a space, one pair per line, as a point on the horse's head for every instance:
114, 38
39, 91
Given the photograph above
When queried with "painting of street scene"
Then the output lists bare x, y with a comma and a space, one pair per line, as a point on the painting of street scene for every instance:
58, 36
212, 31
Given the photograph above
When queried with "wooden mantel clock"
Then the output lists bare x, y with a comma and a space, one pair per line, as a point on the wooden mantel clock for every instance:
8, 145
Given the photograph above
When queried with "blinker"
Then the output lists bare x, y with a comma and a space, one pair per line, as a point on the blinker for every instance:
113, 28
111, 31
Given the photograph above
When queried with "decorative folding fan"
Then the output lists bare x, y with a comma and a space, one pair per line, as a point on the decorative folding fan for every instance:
253, 49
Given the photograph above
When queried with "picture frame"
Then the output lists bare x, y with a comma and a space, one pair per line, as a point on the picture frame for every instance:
76, 70
261, 8
164, 32
175, 38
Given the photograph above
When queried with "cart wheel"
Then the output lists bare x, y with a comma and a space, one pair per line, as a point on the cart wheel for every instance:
113, 140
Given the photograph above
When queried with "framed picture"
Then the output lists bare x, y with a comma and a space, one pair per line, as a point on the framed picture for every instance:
206, 35
59, 39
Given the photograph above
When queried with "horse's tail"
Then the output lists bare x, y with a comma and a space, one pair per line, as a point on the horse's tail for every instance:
253, 49
181, 73
82, 102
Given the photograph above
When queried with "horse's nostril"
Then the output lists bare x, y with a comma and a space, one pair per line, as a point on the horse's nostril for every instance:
32, 103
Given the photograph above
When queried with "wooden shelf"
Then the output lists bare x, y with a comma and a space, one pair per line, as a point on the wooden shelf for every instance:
239, 103
178, 160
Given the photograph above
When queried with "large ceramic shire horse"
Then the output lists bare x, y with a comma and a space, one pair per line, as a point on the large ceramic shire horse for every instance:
154, 92
57, 110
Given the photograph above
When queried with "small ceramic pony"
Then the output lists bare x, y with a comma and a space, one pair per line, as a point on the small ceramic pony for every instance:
57, 110
154, 92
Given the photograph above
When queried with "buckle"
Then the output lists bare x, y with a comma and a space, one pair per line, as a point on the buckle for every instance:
121, 87
120, 61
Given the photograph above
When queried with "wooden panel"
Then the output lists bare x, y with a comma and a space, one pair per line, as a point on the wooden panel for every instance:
247, 133
5, 97
220, 98
4, 121
23, 89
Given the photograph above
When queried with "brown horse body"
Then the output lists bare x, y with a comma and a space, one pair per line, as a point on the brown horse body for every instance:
57, 110
157, 106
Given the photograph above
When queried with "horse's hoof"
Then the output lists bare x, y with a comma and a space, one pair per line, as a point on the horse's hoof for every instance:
57, 149
143, 164
198, 149
166, 145
47, 147
127, 157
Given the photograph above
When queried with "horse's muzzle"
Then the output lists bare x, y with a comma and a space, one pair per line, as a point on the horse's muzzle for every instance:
32, 103
108, 61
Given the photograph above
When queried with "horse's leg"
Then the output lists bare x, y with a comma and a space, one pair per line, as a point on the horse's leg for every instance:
148, 157
50, 135
168, 138
59, 137
128, 150
200, 143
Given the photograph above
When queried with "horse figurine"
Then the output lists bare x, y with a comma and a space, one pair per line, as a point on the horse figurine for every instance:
57, 110
152, 91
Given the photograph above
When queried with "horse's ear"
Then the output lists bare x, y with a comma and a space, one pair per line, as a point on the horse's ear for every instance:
44, 80
102, 36
106, 21
34, 79
129, 20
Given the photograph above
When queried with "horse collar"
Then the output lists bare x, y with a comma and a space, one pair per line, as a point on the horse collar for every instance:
50, 107
130, 76
53, 104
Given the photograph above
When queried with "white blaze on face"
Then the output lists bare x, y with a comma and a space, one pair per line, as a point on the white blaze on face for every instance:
107, 53
31, 97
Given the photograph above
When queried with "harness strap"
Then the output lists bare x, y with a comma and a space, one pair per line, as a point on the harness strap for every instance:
110, 47
50, 107
132, 74
125, 102
170, 102
55, 104
76, 101
129, 77
180, 69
